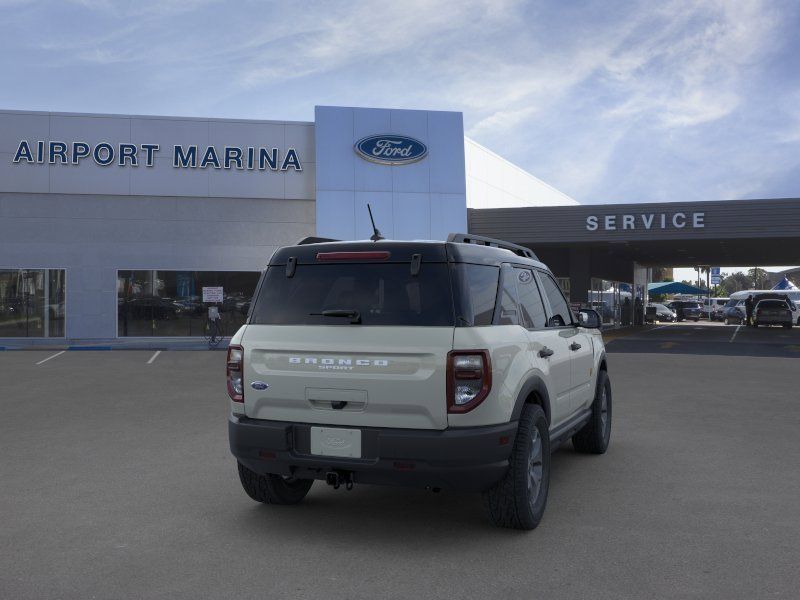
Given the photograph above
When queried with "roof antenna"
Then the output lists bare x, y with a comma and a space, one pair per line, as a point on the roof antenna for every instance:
377, 234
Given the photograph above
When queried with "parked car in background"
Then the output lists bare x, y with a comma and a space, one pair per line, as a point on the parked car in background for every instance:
686, 309
713, 308
663, 314
152, 307
734, 312
772, 312
793, 296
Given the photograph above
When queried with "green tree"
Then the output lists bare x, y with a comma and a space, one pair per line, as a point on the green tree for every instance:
734, 282
759, 278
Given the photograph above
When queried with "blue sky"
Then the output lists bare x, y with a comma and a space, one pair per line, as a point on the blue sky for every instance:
607, 101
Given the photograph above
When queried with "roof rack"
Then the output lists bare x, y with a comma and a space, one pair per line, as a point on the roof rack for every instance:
468, 238
315, 240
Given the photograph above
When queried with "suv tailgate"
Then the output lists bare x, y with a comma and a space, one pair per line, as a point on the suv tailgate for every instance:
347, 375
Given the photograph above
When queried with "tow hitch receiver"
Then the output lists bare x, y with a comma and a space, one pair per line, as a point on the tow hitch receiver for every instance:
339, 478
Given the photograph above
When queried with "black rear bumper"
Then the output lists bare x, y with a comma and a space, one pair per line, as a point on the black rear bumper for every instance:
467, 459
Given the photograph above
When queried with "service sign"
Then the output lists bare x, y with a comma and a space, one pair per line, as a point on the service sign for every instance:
390, 149
646, 221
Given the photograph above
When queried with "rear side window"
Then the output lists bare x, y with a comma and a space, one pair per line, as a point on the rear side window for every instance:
508, 298
383, 294
476, 293
530, 300
558, 305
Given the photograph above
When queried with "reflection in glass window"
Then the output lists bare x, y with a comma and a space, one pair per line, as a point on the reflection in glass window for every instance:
477, 293
382, 294
32, 302
508, 298
558, 305
170, 303
564, 284
530, 301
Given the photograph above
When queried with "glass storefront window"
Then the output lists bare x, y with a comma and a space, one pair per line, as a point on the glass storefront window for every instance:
170, 303
32, 302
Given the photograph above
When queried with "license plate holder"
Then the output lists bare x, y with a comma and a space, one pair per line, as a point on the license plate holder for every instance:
334, 441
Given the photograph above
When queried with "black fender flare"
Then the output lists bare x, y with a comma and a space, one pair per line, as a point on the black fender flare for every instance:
602, 361
534, 384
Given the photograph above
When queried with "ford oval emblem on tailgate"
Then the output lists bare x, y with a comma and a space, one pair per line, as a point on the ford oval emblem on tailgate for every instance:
259, 385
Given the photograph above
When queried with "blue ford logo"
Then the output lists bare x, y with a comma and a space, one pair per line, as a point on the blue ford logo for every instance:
389, 149
259, 385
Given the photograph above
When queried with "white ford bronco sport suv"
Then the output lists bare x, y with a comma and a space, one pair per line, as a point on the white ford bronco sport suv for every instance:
443, 365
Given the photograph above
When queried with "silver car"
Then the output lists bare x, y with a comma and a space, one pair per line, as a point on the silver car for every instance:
772, 312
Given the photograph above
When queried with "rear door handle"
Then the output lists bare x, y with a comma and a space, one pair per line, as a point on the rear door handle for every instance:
574, 346
545, 352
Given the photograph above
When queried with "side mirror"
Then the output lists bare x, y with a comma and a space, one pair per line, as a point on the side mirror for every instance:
590, 319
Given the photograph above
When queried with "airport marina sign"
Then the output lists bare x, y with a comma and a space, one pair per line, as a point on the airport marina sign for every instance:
247, 158
646, 221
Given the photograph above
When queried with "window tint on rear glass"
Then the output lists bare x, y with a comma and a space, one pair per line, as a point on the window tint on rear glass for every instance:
383, 294
772, 304
530, 301
560, 310
476, 293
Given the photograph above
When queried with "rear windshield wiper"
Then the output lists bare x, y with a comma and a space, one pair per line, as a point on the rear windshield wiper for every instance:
353, 315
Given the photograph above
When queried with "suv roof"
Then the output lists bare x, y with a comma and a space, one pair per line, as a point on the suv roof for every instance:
459, 248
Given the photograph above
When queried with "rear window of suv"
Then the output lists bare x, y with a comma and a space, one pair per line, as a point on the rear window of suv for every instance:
773, 304
382, 294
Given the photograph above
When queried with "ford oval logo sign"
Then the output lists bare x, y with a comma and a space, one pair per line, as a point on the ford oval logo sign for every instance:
259, 385
389, 149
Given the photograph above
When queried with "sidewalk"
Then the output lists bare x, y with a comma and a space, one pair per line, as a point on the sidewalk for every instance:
161, 343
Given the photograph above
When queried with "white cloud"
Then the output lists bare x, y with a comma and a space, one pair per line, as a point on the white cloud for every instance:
560, 88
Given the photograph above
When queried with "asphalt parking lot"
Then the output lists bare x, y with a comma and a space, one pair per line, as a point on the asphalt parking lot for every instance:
116, 482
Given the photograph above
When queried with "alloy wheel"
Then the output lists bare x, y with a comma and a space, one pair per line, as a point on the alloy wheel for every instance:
535, 467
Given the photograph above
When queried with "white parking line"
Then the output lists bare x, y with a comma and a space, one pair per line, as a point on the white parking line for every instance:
152, 358
659, 327
49, 357
733, 337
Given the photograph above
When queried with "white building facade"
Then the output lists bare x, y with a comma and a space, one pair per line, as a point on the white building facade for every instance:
115, 226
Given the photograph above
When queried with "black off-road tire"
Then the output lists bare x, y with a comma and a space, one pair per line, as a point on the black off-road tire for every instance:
593, 438
273, 489
516, 501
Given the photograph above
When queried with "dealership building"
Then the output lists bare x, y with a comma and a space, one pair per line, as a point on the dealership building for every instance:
120, 227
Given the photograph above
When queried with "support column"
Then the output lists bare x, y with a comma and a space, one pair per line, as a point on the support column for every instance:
580, 274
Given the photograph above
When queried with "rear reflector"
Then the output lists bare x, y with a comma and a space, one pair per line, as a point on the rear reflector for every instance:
370, 255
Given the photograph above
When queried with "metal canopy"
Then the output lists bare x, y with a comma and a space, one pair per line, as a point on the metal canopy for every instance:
674, 287
725, 233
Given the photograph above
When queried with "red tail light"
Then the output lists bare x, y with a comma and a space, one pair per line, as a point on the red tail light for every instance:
469, 379
234, 370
